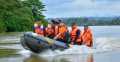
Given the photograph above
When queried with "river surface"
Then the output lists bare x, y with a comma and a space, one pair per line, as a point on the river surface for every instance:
106, 48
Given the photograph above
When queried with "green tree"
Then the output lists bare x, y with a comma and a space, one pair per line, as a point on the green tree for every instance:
16, 15
37, 7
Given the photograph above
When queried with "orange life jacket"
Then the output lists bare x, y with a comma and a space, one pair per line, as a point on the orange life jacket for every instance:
87, 37
49, 31
73, 36
62, 30
39, 31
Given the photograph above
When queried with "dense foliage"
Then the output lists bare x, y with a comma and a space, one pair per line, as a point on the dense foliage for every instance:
19, 15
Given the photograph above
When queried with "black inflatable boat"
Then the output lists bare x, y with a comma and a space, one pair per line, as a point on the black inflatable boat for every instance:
36, 43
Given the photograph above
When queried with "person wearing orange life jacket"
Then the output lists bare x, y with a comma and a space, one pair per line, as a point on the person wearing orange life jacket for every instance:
49, 31
87, 37
61, 32
38, 29
75, 35
55, 27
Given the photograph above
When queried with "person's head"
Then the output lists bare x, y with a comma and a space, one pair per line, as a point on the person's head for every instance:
54, 22
37, 23
85, 27
59, 20
74, 25
49, 25
61, 24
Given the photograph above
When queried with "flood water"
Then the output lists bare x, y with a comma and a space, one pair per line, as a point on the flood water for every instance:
106, 49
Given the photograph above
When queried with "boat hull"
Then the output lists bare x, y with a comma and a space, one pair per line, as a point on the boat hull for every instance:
35, 43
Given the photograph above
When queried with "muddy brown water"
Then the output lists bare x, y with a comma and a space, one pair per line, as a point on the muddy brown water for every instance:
106, 49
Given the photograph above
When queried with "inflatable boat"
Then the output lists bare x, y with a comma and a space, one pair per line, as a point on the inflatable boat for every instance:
36, 43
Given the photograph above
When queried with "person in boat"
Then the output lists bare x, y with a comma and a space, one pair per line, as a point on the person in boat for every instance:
75, 35
87, 36
62, 30
55, 26
49, 31
38, 28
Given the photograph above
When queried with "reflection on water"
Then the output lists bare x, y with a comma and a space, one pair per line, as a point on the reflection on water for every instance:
34, 58
90, 58
69, 58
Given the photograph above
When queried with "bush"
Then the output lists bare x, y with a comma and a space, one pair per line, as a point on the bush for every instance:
2, 26
17, 15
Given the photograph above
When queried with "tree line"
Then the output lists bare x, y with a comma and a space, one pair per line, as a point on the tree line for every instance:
91, 21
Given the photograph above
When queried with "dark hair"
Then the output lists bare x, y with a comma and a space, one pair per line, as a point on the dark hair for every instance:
59, 20
54, 21
74, 24
85, 25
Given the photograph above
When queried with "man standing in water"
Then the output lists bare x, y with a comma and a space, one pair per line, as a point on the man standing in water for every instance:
75, 34
87, 36
61, 33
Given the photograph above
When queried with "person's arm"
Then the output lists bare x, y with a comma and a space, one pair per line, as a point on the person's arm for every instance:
91, 34
57, 36
90, 40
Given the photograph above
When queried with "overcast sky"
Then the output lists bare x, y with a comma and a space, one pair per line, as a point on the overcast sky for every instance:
77, 8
